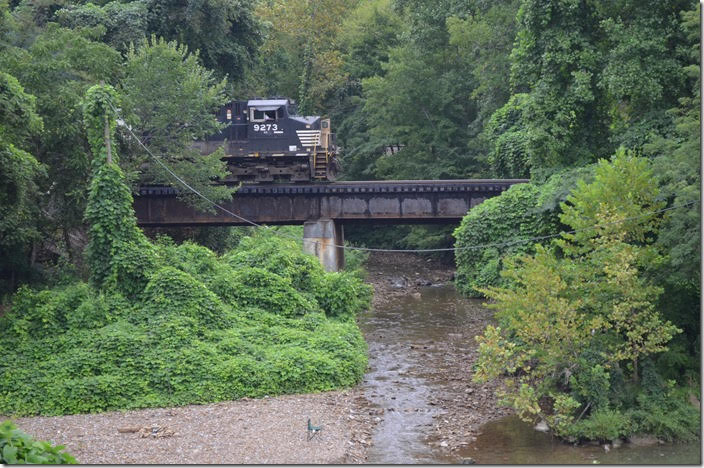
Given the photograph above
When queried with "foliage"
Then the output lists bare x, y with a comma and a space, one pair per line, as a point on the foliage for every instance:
123, 23
168, 118
16, 447
298, 57
118, 254
197, 328
201, 330
524, 211
19, 192
582, 311
226, 32
57, 66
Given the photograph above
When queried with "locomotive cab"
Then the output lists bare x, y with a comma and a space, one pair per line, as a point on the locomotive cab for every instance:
265, 141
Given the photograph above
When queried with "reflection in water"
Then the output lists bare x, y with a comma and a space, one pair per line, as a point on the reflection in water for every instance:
403, 338
511, 441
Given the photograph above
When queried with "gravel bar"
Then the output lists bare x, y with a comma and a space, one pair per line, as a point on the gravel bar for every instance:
246, 431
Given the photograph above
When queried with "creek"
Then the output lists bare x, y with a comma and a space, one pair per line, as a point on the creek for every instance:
412, 339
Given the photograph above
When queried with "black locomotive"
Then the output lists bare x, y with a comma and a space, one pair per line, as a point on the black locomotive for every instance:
265, 141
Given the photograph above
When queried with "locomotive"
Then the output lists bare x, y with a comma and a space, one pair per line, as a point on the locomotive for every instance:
266, 141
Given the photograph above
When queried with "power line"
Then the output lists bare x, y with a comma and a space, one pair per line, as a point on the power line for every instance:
368, 249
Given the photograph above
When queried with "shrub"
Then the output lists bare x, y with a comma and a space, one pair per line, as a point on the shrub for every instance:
342, 295
16, 447
280, 256
260, 288
604, 424
174, 293
203, 329
524, 211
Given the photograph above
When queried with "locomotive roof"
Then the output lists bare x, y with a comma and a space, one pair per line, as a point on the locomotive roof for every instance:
267, 102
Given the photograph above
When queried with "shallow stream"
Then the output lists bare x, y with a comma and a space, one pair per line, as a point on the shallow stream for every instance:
409, 338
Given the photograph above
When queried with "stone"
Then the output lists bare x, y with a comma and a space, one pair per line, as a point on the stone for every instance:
642, 440
542, 426
398, 282
443, 443
468, 461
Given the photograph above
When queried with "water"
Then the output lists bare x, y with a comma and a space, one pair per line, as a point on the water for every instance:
410, 340
413, 341
511, 441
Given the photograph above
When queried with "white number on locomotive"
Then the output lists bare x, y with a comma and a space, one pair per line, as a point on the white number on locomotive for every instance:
265, 127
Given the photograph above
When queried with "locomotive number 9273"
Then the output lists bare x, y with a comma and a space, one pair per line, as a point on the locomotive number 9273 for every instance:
265, 141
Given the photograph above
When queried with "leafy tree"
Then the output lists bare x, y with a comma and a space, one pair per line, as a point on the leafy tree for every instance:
226, 32
573, 321
367, 35
19, 171
170, 101
676, 157
119, 255
299, 57
57, 68
124, 23
485, 40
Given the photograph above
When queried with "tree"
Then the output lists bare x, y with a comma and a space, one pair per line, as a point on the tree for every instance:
123, 23
19, 172
582, 311
299, 57
169, 100
225, 32
118, 254
58, 67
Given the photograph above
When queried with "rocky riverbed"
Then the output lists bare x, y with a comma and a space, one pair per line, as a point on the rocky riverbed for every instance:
447, 350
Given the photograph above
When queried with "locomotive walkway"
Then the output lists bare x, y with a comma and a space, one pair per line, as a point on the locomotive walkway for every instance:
323, 209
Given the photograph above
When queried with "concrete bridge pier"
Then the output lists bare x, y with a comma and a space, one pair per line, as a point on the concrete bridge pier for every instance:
320, 237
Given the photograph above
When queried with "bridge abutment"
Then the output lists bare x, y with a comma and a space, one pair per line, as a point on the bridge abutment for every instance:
320, 238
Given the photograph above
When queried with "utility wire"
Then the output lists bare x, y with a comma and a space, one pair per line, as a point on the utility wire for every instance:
368, 249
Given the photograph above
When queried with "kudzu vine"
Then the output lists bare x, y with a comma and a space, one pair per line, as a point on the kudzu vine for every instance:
118, 254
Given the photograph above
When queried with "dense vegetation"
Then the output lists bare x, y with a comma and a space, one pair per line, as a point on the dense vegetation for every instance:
542, 89
16, 447
578, 323
162, 324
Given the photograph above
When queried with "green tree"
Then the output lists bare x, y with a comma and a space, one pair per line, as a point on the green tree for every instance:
19, 171
118, 254
299, 57
573, 320
123, 23
226, 32
169, 100
57, 67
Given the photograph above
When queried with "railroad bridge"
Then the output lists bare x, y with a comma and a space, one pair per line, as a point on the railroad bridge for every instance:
324, 209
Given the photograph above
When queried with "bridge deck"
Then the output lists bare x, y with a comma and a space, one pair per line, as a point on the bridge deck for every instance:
401, 201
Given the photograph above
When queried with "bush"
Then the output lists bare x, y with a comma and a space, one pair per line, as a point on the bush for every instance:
524, 211
16, 447
342, 295
203, 328
604, 425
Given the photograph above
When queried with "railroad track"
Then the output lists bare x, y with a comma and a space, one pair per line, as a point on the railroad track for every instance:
358, 186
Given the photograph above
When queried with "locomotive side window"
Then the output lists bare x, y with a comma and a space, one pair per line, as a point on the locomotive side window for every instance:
262, 115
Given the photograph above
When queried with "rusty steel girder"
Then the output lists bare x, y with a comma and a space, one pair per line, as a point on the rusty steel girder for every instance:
418, 201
